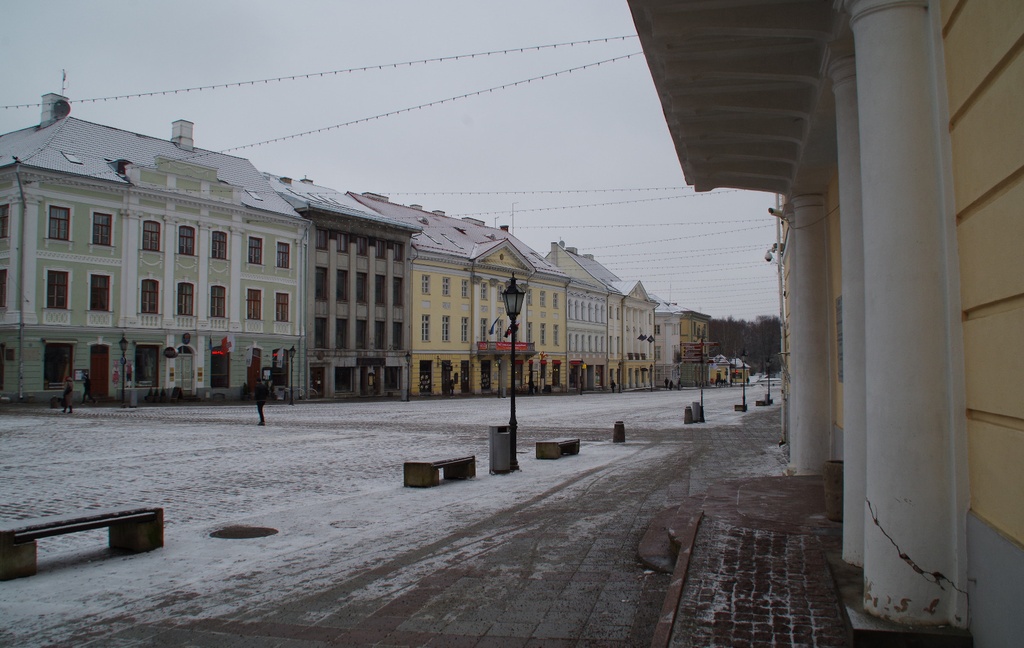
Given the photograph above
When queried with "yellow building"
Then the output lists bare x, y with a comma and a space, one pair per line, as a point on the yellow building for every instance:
460, 268
892, 130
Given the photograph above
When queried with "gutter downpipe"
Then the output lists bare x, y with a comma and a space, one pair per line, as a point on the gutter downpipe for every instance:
21, 286
784, 355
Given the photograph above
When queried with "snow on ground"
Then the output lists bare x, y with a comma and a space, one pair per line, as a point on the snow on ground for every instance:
327, 476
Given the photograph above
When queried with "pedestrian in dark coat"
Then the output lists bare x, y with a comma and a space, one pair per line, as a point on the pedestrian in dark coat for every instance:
69, 390
87, 389
261, 394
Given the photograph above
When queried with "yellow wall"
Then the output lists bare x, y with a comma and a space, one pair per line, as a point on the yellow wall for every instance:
835, 289
983, 42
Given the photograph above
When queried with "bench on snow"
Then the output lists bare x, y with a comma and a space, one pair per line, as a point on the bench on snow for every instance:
555, 448
423, 474
136, 529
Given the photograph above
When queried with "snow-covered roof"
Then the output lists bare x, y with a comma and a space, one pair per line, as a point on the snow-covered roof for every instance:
80, 148
304, 194
466, 238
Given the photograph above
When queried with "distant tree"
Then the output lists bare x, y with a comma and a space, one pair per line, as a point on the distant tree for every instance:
760, 339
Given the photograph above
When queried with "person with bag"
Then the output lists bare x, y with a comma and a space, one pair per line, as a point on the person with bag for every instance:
69, 389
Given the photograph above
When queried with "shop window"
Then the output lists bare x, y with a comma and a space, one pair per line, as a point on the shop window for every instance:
58, 364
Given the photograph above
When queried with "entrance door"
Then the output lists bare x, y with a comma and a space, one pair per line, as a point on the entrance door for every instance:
99, 374
253, 374
185, 370
316, 379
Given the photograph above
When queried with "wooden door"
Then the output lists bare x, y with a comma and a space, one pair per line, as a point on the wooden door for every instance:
99, 370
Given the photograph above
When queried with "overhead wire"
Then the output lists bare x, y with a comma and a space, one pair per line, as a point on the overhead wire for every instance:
310, 75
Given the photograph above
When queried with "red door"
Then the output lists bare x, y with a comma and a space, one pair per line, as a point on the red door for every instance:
99, 370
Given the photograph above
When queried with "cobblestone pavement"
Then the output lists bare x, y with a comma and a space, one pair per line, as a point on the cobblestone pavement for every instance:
545, 557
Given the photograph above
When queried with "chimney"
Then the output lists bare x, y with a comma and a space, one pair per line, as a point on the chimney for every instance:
55, 108
376, 196
439, 212
181, 134
504, 228
588, 256
415, 206
307, 180
286, 181
571, 250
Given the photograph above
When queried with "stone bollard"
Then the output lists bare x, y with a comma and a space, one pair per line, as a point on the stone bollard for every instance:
688, 415
619, 435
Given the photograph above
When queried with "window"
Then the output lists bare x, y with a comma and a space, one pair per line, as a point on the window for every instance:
253, 304
379, 329
57, 364
396, 334
3, 287
5, 212
361, 334
657, 329
187, 240
99, 293
483, 328
446, 286
398, 249
361, 245
60, 223
320, 283
255, 250
380, 292
554, 335
425, 328
150, 296
101, 225
56, 289
543, 299
529, 297
465, 329
320, 332
185, 294
446, 325
361, 287
465, 288
342, 238
284, 255
529, 331
281, 307
341, 333
321, 239
425, 284
151, 236
341, 289
396, 291
218, 301
219, 245
554, 300
483, 290
220, 368
543, 332
380, 248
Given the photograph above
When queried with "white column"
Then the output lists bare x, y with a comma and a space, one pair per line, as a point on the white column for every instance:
809, 392
236, 296
170, 287
28, 238
851, 226
913, 566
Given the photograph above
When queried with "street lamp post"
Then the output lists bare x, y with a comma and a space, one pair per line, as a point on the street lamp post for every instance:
291, 390
123, 343
703, 373
408, 376
743, 380
513, 298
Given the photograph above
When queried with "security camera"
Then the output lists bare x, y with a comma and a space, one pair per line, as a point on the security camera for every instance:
775, 212
768, 256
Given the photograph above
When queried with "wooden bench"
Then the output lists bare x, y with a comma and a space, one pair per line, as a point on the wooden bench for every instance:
555, 448
423, 474
136, 529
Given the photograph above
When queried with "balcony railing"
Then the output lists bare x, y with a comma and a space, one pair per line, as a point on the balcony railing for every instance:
282, 328
253, 326
98, 318
150, 320
218, 323
187, 322
56, 316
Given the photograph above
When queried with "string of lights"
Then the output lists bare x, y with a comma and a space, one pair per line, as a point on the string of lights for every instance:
527, 192
682, 238
438, 102
327, 73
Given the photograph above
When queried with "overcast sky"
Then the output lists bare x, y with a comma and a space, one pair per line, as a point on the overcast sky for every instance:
567, 145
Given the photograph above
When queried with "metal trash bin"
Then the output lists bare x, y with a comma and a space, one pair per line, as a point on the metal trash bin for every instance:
500, 444
688, 415
134, 400
698, 412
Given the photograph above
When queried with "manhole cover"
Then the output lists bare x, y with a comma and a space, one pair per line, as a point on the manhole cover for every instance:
243, 532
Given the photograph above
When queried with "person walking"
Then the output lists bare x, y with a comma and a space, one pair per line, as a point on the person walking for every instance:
69, 389
261, 394
87, 388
